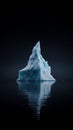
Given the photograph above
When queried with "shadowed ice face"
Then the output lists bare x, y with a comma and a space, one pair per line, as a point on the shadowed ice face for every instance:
37, 93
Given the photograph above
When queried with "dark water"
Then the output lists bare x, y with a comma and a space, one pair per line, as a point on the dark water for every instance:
36, 102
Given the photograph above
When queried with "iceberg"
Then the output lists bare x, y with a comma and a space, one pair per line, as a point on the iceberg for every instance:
37, 69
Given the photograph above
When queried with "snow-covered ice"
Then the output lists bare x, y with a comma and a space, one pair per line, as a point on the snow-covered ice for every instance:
37, 68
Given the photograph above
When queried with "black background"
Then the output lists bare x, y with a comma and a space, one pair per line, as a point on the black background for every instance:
21, 28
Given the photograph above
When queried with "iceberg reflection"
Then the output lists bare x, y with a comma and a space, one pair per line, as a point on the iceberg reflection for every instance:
37, 93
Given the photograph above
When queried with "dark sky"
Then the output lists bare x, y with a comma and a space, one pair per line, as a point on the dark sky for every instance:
20, 29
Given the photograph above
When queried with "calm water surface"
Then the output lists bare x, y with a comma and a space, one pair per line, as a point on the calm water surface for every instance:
35, 101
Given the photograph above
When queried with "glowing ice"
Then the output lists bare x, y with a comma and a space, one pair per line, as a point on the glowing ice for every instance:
37, 68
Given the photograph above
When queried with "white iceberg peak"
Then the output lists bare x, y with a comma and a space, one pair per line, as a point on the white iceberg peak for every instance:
37, 48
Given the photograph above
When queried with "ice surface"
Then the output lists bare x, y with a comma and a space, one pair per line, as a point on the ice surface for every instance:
37, 68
